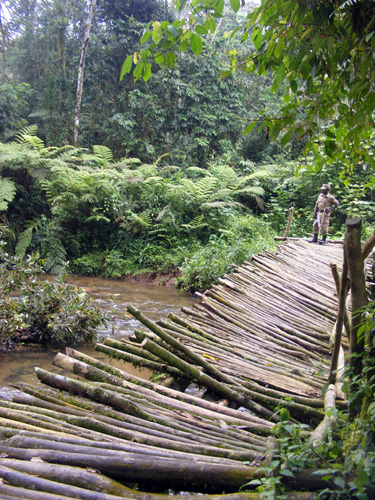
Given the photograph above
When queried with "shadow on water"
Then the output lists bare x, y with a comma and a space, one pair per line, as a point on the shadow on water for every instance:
113, 297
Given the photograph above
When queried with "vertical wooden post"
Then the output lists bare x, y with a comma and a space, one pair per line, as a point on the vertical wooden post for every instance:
357, 285
290, 218
359, 301
341, 313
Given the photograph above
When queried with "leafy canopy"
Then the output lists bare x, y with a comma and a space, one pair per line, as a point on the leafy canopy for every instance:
320, 53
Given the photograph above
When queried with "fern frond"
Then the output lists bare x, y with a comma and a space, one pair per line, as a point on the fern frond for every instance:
221, 204
98, 218
127, 163
103, 154
153, 180
7, 192
195, 172
163, 213
223, 194
251, 190
169, 171
24, 241
32, 141
196, 223
258, 175
137, 222
225, 174
206, 187
147, 170
29, 131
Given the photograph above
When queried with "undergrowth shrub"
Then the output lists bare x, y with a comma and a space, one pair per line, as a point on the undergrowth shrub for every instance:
246, 236
40, 311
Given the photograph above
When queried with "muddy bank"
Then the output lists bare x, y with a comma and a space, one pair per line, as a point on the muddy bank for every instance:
154, 278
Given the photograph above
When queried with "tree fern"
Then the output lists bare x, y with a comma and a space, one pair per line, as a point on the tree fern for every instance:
7, 192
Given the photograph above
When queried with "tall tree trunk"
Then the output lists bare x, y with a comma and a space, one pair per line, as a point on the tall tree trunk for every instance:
3, 45
81, 69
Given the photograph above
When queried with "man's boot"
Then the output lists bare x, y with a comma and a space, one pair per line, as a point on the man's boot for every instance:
315, 239
323, 240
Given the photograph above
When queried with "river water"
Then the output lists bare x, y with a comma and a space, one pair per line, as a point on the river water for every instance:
113, 297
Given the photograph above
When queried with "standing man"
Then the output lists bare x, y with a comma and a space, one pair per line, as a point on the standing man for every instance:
324, 206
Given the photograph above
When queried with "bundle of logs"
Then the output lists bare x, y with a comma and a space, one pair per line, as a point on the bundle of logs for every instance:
259, 341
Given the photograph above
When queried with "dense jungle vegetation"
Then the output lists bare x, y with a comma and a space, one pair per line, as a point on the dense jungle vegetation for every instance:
155, 176
122, 151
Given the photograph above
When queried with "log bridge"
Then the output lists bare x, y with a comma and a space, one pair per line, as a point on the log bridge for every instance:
258, 341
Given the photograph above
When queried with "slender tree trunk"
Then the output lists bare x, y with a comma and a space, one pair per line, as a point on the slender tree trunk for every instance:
3, 45
81, 69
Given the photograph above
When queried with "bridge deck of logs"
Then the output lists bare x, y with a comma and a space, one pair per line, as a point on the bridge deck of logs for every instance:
258, 341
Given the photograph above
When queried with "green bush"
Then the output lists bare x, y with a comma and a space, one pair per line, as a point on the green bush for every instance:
39, 311
246, 236
90, 264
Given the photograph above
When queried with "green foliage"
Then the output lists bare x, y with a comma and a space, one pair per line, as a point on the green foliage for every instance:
14, 108
40, 311
90, 264
320, 58
239, 239
7, 192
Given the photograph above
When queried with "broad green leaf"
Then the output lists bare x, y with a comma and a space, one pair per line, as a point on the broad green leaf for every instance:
159, 58
235, 4
196, 44
147, 72
284, 415
157, 36
249, 128
184, 44
170, 59
280, 75
218, 6
280, 47
126, 67
201, 30
145, 37
173, 31
257, 38
210, 24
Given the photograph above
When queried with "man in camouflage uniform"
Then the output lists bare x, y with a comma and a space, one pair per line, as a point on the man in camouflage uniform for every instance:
324, 206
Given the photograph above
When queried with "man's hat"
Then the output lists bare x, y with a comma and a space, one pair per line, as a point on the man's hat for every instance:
326, 186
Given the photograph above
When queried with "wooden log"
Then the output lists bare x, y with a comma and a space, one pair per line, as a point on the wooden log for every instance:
320, 433
209, 368
368, 246
92, 486
140, 361
91, 373
146, 470
206, 380
201, 407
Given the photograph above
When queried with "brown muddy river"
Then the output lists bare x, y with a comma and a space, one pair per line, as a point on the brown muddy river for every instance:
113, 297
